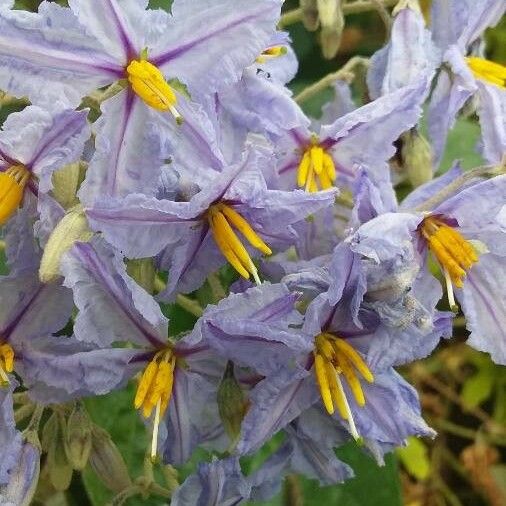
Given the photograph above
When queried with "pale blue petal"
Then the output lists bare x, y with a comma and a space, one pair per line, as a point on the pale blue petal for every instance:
448, 97
492, 112
128, 156
58, 369
24, 478
121, 309
410, 54
275, 402
448, 20
10, 438
51, 65
482, 300
207, 44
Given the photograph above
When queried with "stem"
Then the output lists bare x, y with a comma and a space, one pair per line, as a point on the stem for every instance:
216, 287
190, 305
344, 73
454, 186
2, 245
384, 15
292, 493
465, 433
295, 15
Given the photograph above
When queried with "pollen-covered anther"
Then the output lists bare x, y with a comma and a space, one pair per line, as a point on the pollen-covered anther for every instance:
6, 363
150, 84
155, 390
487, 70
335, 357
12, 186
221, 220
454, 254
316, 169
270, 53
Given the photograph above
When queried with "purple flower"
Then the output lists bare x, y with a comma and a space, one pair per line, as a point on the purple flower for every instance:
33, 144
10, 438
456, 28
362, 137
219, 483
198, 236
410, 54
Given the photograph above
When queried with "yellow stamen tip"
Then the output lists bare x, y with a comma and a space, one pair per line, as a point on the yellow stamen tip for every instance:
12, 186
316, 169
487, 70
150, 85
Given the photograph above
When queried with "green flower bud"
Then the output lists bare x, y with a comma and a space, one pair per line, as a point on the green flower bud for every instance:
78, 438
66, 182
53, 443
107, 462
73, 227
232, 403
143, 272
417, 157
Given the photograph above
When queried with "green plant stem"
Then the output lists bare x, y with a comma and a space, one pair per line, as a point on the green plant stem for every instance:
465, 433
345, 73
190, 305
2, 245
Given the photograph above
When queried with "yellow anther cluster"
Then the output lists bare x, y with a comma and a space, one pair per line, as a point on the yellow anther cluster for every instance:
271, 52
155, 385
316, 169
12, 186
150, 84
221, 219
454, 254
335, 357
487, 70
6, 363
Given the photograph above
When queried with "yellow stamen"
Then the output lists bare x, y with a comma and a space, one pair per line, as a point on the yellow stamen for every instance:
453, 252
155, 390
12, 186
335, 357
270, 53
150, 84
316, 169
6, 363
487, 70
221, 217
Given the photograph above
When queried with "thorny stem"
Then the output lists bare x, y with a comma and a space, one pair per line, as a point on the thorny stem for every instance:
295, 15
344, 73
450, 189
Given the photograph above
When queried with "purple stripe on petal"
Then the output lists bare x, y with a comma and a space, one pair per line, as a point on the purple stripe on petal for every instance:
90, 258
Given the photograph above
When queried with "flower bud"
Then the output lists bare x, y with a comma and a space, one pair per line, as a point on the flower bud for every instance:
73, 227
232, 403
107, 462
66, 182
78, 438
143, 272
417, 157
53, 442
310, 15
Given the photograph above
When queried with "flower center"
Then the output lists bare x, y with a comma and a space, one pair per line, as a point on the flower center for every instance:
221, 219
454, 254
6, 363
487, 70
12, 185
150, 84
316, 169
155, 390
271, 53
335, 357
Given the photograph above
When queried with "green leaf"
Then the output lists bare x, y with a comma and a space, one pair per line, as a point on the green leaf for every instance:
478, 388
415, 458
